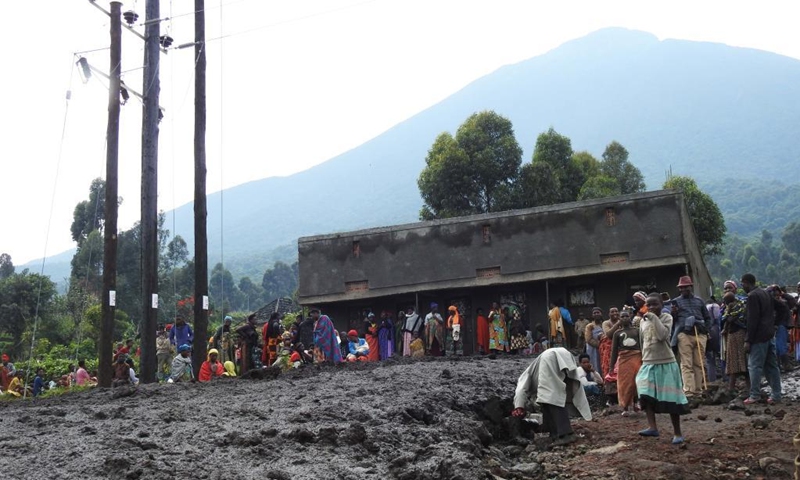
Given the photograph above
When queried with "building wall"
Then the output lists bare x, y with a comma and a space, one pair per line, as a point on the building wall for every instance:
437, 255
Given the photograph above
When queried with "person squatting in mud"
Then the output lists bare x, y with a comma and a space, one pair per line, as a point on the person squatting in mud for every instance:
553, 382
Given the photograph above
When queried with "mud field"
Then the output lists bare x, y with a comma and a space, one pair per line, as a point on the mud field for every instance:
429, 419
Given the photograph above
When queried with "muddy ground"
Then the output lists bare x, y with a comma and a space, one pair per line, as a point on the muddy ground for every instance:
430, 419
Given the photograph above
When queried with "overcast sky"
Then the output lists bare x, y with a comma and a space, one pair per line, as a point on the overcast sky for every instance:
291, 84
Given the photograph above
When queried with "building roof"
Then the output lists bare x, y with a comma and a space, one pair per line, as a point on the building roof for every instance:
558, 207
628, 232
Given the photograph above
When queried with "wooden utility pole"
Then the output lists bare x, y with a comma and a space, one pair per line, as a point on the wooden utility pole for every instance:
200, 210
104, 371
149, 221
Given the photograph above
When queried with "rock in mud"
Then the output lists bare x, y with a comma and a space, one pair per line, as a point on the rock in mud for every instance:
528, 469
722, 395
353, 435
303, 435
328, 435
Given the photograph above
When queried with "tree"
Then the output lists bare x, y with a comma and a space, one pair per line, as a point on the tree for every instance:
791, 237
222, 289
88, 214
252, 292
556, 150
279, 281
707, 220
538, 185
583, 166
615, 165
22, 296
87, 263
177, 253
600, 186
445, 184
473, 172
6, 266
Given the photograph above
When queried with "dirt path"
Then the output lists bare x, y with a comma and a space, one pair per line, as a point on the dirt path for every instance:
433, 419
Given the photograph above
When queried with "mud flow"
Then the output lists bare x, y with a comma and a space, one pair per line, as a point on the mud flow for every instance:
429, 419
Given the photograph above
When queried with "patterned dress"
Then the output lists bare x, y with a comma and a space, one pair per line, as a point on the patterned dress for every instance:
498, 336
326, 345
735, 319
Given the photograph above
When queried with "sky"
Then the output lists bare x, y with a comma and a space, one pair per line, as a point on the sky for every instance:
291, 84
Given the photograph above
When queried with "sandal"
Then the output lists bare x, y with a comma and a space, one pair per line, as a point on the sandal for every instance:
677, 440
649, 432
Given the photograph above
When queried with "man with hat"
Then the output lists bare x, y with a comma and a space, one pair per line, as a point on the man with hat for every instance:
692, 322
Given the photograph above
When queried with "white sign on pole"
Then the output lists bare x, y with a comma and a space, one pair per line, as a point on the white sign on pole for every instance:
112, 298
205, 302
155, 300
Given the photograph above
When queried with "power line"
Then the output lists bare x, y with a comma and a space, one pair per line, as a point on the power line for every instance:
291, 20
68, 96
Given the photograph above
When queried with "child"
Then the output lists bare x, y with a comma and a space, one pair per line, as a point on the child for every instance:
659, 380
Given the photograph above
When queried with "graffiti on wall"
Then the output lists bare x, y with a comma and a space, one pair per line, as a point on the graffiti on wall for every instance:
581, 297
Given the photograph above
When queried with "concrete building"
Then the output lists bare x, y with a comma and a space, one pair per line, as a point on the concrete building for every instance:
590, 253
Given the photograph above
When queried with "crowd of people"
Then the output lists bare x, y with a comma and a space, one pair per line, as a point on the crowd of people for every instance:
655, 355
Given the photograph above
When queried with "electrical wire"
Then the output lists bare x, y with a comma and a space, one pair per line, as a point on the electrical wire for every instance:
186, 14
221, 169
49, 225
172, 127
292, 20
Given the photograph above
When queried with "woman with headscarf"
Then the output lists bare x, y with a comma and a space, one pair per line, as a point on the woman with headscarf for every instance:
626, 355
230, 369
411, 327
326, 341
593, 334
639, 299
357, 348
272, 338
452, 342
371, 336
223, 340
734, 332
211, 368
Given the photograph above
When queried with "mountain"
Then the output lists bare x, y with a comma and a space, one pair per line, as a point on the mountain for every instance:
705, 110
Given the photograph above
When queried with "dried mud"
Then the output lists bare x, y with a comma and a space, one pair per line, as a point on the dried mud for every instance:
401, 419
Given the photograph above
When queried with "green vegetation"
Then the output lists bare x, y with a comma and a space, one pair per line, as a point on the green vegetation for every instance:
709, 225
479, 171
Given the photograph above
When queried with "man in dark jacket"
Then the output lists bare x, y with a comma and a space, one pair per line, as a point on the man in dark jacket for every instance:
305, 331
692, 324
760, 342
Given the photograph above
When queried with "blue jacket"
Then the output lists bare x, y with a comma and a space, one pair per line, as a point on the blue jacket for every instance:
565, 315
181, 335
38, 385
352, 346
